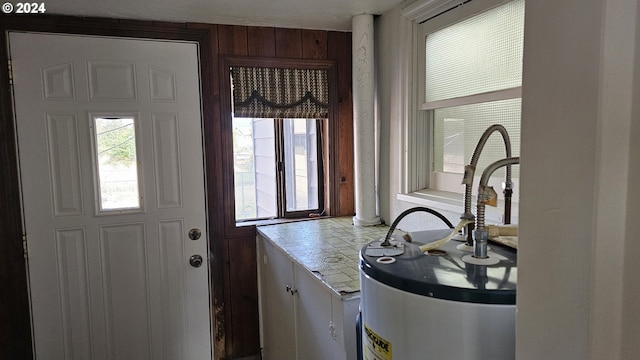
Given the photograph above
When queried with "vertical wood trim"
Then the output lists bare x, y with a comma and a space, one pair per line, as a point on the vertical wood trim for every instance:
218, 251
339, 47
289, 43
226, 140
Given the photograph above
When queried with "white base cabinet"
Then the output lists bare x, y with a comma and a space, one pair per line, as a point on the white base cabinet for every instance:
301, 317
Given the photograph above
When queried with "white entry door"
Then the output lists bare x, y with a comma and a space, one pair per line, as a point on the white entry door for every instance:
111, 161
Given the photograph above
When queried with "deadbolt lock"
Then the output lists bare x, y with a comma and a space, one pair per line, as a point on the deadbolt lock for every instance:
194, 234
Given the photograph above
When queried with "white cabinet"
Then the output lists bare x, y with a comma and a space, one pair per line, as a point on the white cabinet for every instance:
301, 317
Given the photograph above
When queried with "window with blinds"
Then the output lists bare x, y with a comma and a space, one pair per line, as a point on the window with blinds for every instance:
277, 144
261, 92
472, 80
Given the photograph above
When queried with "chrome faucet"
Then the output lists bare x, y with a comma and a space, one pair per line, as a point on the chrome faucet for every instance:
486, 194
407, 212
469, 172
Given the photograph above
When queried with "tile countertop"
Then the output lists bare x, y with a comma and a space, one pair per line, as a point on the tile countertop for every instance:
327, 247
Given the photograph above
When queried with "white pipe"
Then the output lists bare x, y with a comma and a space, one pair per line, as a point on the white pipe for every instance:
364, 122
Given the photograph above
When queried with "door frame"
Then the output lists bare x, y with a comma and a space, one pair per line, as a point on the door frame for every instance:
15, 327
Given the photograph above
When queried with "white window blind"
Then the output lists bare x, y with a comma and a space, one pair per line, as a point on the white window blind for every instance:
457, 130
473, 71
477, 55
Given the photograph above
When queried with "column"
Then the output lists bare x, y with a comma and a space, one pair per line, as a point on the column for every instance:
364, 122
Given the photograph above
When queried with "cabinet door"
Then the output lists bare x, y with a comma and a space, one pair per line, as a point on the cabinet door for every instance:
277, 303
315, 334
344, 312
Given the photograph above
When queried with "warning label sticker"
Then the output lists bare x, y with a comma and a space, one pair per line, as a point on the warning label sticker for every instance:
375, 347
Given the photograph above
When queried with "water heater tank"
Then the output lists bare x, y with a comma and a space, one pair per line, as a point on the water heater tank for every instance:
417, 306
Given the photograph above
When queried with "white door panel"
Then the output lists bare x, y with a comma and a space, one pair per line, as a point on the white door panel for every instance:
114, 283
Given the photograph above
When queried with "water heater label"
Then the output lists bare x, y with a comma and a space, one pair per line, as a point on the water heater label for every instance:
375, 347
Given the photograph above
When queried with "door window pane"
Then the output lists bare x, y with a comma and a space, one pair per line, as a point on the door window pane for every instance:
116, 163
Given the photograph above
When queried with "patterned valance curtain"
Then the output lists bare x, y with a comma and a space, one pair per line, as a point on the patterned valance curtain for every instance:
280, 93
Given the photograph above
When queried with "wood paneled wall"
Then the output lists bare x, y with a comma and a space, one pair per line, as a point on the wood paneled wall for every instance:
232, 249
239, 293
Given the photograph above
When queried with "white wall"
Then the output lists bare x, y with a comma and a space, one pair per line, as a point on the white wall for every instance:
559, 170
578, 289
576, 156
391, 29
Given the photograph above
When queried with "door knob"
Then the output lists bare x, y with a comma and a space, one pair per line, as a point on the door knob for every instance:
194, 234
195, 260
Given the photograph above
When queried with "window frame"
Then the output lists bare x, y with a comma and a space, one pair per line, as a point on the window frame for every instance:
418, 180
329, 131
281, 171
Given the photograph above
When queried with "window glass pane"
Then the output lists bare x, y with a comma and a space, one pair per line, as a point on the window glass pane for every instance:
117, 163
301, 164
257, 153
477, 55
458, 129
254, 168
